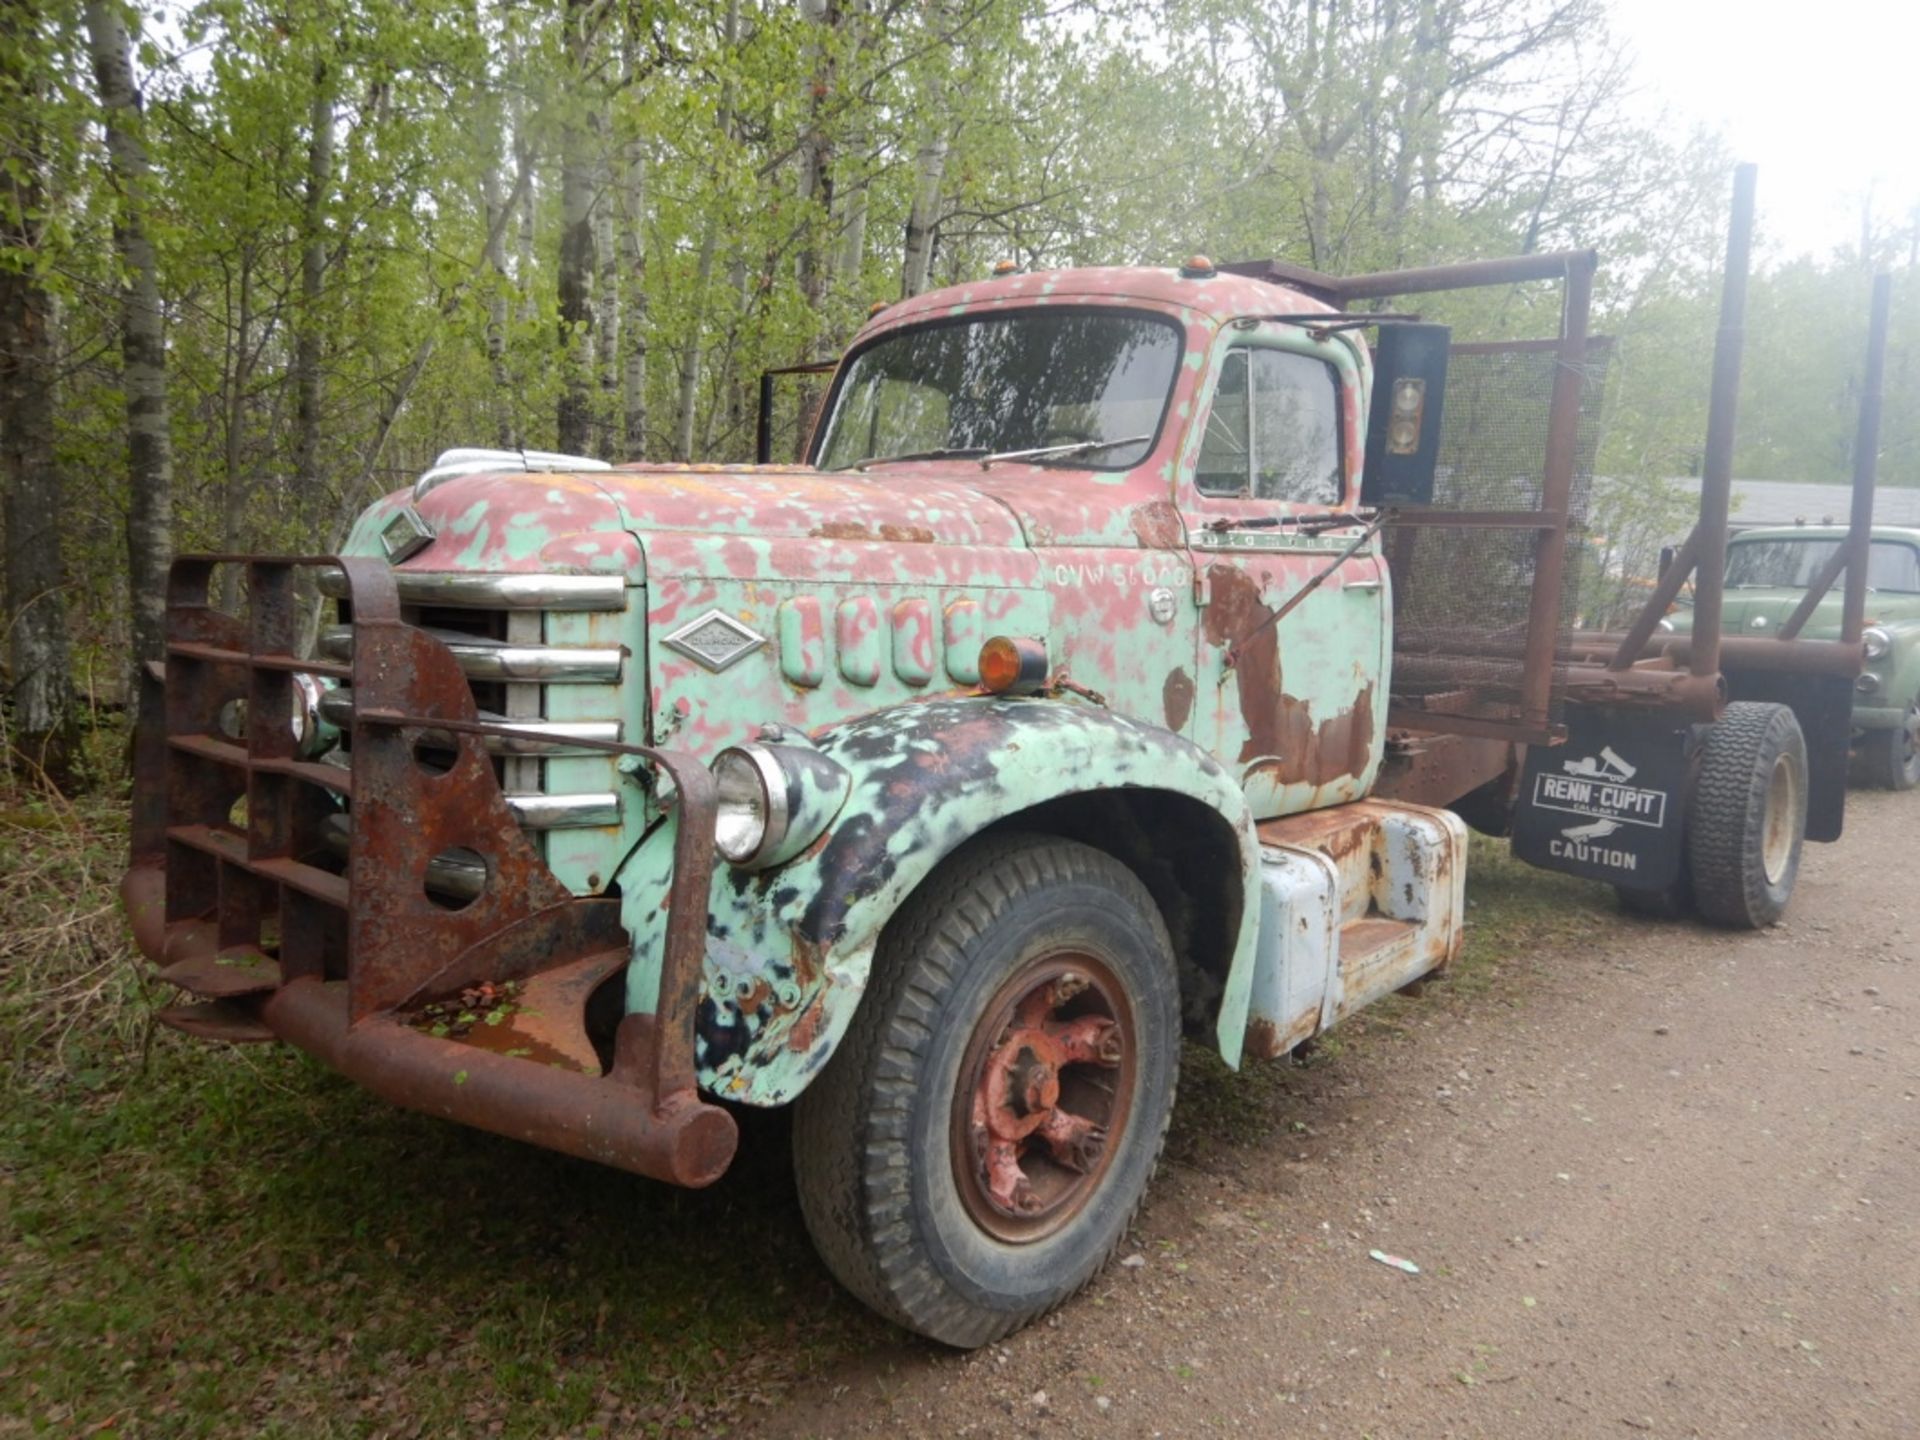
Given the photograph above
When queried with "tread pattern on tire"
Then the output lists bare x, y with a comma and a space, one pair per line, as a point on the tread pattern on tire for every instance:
1729, 793
865, 1238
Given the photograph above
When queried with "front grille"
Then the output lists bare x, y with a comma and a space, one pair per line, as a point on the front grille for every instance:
540, 653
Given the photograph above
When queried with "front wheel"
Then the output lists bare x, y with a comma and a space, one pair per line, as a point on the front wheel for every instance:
1749, 815
1890, 759
983, 1136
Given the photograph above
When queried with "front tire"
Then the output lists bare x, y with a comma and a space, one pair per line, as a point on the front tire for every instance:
984, 1134
1749, 815
1890, 759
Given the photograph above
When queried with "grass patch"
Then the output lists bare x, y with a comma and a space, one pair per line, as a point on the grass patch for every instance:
214, 1241
206, 1241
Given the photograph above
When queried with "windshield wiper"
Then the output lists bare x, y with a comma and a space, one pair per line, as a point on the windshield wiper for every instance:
966, 453
1060, 452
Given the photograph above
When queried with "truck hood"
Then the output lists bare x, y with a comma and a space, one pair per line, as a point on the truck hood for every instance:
1762, 612
590, 521
902, 507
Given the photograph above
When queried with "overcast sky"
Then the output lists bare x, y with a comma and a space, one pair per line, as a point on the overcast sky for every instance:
1822, 97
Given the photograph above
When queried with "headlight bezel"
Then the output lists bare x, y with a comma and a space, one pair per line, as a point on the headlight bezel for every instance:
750, 803
1876, 642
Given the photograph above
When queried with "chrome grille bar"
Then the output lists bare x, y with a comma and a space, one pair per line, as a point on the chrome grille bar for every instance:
565, 812
467, 590
484, 659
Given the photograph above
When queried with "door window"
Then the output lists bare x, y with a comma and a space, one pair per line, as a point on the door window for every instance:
1274, 430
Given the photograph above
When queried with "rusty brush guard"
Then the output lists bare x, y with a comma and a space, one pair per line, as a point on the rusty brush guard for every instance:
244, 913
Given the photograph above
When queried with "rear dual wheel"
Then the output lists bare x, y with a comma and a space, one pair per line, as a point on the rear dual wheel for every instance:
985, 1132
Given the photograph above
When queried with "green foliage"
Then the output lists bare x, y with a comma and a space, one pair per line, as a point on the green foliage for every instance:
785, 143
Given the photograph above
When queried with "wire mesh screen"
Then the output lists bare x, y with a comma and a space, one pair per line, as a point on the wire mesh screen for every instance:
1463, 594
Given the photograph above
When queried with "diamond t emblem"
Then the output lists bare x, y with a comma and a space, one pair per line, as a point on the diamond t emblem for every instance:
716, 640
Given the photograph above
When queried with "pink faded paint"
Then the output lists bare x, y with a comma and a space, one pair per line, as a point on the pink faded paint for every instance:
913, 640
856, 635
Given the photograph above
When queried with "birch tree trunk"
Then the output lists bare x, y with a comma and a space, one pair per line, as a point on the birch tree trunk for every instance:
632, 201
816, 196
523, 157
693, 352
496, 261
307, 340
816, 152
606, 303
41, 682
633, 286
575, 409
929, 172
239, 373
143, 343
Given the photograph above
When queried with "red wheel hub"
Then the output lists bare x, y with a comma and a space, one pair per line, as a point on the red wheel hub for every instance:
1047, 1084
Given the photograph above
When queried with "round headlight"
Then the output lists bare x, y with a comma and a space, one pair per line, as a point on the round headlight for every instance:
750, 803
1663, 625
1877, 642
1867, 684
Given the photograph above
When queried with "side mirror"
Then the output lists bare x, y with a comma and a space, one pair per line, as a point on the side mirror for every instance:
1403, 418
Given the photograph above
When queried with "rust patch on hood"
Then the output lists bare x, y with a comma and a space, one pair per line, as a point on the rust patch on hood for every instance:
1177, 696
1158, 526
840, 530
855, 530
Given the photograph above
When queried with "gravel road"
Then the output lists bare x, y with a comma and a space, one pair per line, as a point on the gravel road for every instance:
1664, 1187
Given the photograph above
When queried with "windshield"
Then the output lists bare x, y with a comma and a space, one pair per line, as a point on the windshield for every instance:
1008, 382
1793, 564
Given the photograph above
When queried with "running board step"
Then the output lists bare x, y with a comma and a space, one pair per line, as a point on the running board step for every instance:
1355, 902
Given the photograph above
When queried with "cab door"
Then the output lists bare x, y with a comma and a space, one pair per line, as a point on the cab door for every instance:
1295, 707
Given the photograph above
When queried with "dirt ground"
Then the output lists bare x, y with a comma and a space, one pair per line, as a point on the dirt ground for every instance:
1669, 1189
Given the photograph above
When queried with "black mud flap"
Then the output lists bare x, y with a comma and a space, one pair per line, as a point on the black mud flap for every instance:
1610, 803
1823, 704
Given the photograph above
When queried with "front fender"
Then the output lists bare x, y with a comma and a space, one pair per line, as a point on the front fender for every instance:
789, 949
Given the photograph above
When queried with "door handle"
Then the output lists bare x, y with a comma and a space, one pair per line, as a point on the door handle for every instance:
1373, 584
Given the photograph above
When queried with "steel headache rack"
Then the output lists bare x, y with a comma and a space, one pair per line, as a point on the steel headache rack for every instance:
496, 1002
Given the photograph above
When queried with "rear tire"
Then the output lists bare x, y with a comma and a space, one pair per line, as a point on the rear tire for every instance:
1748, 819
1890, 759
1673, 903
1030, 981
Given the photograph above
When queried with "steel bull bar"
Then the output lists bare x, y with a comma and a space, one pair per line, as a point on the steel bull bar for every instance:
476, 1010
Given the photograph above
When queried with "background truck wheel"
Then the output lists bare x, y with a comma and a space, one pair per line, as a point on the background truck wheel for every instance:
1890, 759
1749, 815
984, 1134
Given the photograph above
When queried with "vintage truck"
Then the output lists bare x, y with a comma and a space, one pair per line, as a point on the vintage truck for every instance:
1769, 572
936, 787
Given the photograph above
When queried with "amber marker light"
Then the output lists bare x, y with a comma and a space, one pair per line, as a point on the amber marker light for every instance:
1198, 267
1013, 667
1005, 267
